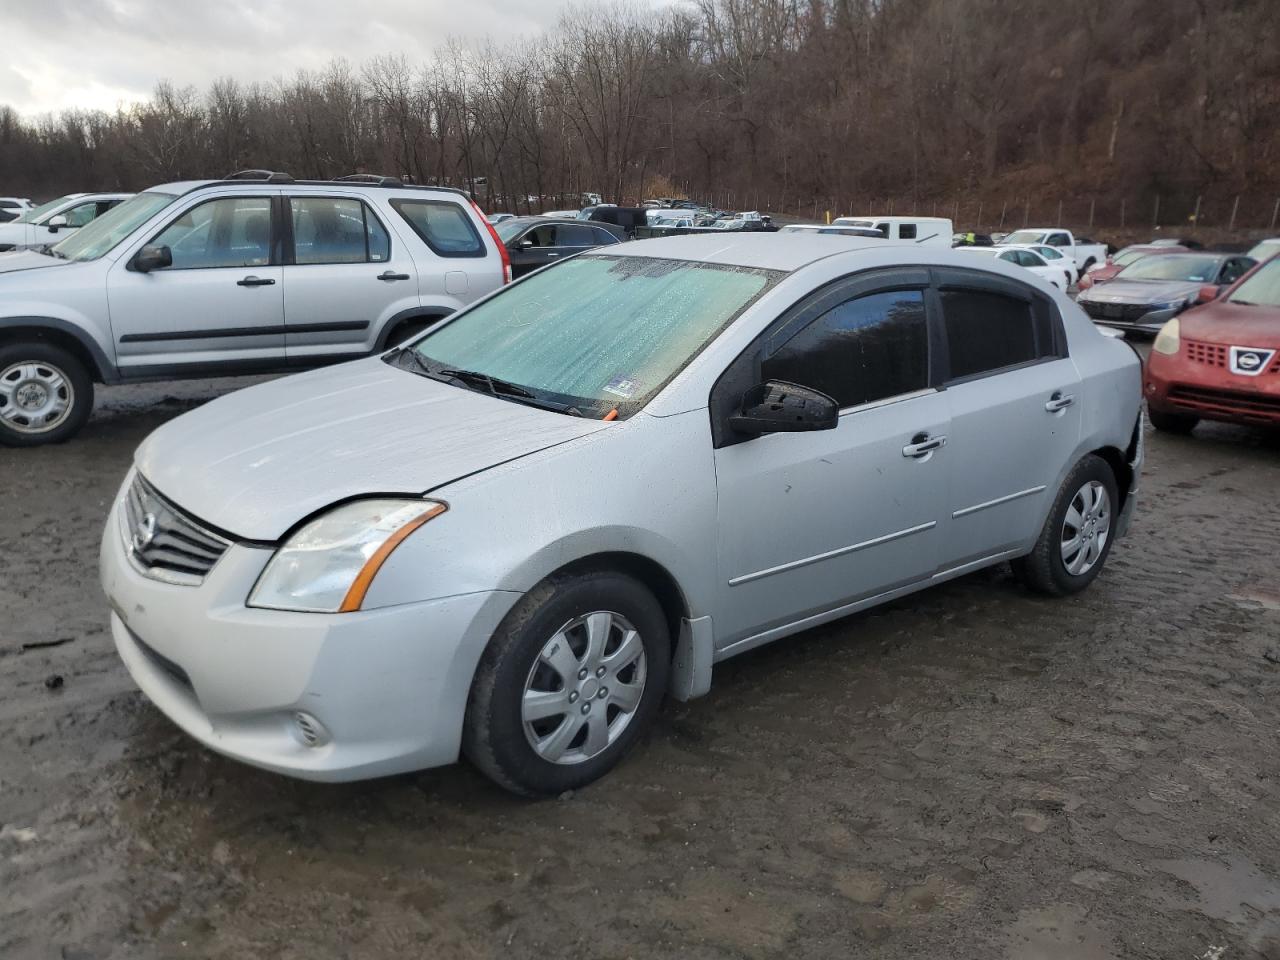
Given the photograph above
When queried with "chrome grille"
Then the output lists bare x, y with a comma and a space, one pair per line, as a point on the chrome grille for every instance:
163, 541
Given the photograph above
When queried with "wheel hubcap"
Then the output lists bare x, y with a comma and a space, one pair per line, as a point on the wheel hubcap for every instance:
35, 397
1085, 528
584, 688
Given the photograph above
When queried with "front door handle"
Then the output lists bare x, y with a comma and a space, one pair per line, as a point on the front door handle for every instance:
922, 445
388, 275
1059, 401
255, 282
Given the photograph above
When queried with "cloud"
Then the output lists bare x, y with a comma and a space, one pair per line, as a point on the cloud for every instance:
95, 55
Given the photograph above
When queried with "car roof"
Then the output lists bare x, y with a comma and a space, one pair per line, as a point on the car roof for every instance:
181, 187
767, 251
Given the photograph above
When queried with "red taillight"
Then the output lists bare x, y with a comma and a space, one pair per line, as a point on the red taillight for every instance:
502, 247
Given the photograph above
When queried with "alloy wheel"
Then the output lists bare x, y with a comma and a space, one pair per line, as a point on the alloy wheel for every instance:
35, 396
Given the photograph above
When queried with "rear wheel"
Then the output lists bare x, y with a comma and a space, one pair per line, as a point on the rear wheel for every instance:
1172, 422
46, 394
570, 681
1076, 538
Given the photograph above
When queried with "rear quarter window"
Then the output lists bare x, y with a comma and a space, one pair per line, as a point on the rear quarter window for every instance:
442, 225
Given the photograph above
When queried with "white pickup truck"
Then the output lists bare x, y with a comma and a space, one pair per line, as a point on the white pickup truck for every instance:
1083, 251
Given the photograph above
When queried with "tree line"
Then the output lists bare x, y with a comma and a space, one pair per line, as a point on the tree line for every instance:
791, 100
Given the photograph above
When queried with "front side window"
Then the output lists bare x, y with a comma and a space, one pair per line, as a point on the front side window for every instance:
442, 225
228, 232
866, 349
336, 230
83, 214
596, 332
1234, 269
110, 229
988, 331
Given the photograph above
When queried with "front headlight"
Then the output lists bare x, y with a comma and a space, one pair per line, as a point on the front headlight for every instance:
327, 566
1167, 339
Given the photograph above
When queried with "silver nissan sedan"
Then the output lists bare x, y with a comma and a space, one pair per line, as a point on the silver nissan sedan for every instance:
515, 536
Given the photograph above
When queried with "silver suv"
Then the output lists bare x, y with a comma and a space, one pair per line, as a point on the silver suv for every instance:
258, 272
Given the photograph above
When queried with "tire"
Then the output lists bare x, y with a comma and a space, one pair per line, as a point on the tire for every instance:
1054, 568
46, 394
541, 650
1182, 423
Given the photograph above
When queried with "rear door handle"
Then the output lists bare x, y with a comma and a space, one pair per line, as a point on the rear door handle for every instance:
1059, 401
388, 275
255, 282
922, 444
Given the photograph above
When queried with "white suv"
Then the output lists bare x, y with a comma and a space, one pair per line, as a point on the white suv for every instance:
56, 220
254, 273
11, 208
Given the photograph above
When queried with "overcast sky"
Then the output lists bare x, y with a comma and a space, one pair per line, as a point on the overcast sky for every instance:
98, 53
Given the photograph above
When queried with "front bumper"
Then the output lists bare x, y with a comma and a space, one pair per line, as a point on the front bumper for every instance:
1177, 384
389, 685
1147, 322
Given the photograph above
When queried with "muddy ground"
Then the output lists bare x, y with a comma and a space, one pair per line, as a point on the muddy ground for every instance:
972, 772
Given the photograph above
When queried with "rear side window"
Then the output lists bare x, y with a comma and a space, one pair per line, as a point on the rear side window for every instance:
988, 331
575, 235
866, 349
336, 230
443, 226
906, 231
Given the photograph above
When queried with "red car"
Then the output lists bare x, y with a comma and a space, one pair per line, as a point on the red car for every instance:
1221, 360
1106, 271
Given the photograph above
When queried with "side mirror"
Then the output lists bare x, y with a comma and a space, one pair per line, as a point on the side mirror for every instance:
779, 407
53, 223
1207, 293
524, 245
153, 257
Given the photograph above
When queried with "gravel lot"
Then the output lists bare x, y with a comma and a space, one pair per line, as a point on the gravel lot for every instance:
971, 772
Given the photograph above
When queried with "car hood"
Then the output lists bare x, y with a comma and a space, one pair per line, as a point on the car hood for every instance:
15, 261
255, 462
1120, 290
1232, 324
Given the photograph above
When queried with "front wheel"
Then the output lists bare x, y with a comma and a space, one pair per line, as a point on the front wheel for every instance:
1076, 538
46, 394
1172, 422
573, 676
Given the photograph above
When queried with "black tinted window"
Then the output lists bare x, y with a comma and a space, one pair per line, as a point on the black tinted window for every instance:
575, 235
907, 231
865, 349
987, 331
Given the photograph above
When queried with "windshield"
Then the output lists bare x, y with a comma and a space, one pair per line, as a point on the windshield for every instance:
102, 234
508, 229
1127, 257
1262, 289
1265, 250
597, 332
35, 213
1024, 236
1191, 269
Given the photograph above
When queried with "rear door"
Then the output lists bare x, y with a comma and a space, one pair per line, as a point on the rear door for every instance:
345, 276
455, 264
220, 304
1013, 398
809, 522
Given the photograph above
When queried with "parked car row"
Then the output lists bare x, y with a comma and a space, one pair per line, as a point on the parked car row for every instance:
53, 221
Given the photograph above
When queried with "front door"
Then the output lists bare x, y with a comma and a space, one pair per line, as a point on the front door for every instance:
535, 248
346, 276
810, 522
1014, 400
220, 303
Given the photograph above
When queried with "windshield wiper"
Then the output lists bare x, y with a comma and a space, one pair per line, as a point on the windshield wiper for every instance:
496, 386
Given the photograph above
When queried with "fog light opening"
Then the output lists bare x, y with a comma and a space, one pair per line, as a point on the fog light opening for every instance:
309, 731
